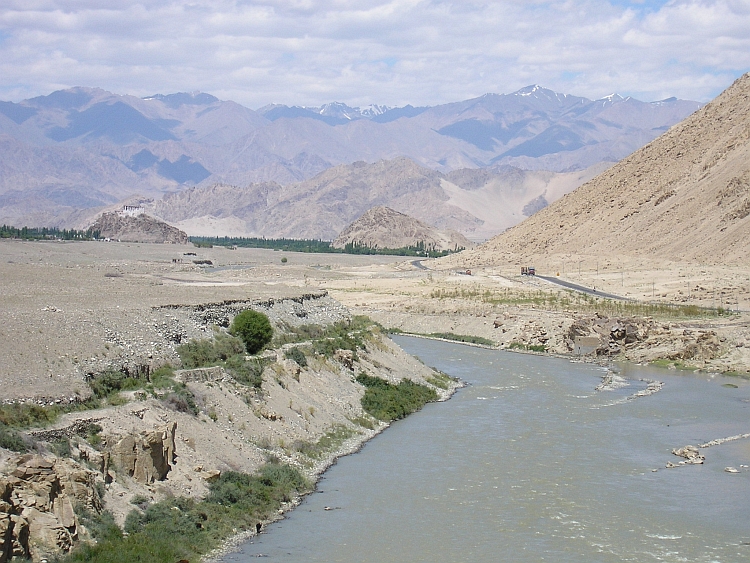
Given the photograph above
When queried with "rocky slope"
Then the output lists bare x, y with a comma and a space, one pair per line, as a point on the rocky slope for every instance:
142, 228
382, 227
683, 197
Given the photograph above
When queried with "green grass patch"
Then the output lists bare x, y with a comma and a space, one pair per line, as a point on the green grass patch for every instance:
330, 441
529, 347
440, 379
179, 528
160, 383
673, 364
740, 374
326, 339
226, 351
29, 415
385, 401
297, 355
20, 416
109, 383
210, 351
364, 422
568, 299
462, 338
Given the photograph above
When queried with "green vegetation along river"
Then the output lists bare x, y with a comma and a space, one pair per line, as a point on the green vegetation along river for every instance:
529, 463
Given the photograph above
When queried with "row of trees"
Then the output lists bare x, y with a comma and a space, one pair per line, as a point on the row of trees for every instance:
321, 246
46, 233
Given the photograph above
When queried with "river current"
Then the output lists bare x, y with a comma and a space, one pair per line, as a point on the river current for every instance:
529, 463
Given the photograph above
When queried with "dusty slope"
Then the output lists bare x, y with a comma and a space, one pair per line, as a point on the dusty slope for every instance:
683, 197
382, 227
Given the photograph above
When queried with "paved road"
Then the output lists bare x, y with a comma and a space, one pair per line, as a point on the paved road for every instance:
581, 288
418, 264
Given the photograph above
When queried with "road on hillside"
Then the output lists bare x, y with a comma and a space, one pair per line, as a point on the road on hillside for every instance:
581, 288
418, 264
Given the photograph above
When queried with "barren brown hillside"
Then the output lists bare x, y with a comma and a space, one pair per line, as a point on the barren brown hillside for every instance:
382, 227
683, 197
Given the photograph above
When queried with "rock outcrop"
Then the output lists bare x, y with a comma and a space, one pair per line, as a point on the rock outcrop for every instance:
37, 498
141, 228
146, 457
383, 227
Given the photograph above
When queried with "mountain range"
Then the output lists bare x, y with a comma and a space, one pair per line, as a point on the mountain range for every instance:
478, 203
77, 150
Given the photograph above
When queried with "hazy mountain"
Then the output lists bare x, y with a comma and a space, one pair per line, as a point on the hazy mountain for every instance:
684, 196
478, 203
383, 227
83, 148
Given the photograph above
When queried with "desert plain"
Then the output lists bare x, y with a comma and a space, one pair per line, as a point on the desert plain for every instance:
63, 302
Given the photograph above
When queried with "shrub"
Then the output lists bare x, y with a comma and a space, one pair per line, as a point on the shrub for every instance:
330, 441
200, 353
386, 401
11, 440
183, 529
247, 372
253, 328
297, 355
102, 527
463, 338
111, 382
181, 399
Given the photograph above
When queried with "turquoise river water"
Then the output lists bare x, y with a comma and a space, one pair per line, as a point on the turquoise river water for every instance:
529, 463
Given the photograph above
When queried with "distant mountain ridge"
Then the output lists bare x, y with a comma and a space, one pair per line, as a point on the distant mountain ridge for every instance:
85, 148
478, 203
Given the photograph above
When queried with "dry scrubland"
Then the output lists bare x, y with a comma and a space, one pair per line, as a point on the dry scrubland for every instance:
70, 310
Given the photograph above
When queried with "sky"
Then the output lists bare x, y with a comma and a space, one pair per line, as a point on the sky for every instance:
362, 52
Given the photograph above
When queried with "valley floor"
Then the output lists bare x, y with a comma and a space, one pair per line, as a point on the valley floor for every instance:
72, 310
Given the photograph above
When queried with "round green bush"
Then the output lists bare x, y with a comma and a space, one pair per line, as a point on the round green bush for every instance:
253, 328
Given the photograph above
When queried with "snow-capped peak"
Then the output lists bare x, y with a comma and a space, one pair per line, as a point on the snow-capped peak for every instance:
528, 90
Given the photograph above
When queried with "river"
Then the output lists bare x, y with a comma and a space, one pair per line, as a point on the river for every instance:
529, 463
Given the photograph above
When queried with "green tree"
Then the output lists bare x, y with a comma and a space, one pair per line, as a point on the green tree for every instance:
253, 328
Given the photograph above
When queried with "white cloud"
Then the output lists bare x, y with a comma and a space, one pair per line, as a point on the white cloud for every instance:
369, 51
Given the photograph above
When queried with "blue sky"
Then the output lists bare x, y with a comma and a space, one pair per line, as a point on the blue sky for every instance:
392, 52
